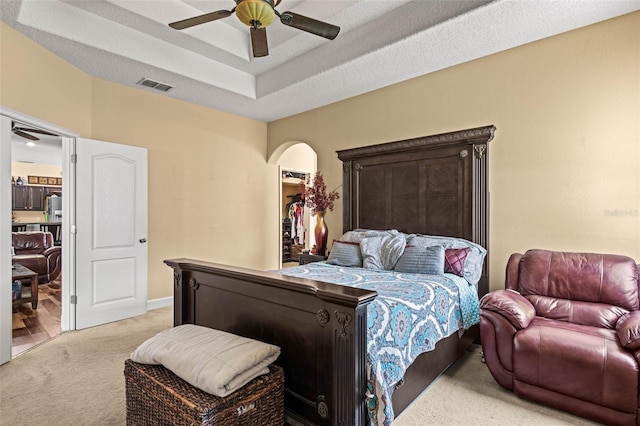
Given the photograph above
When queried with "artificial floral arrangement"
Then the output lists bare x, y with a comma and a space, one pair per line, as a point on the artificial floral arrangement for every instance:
315, 196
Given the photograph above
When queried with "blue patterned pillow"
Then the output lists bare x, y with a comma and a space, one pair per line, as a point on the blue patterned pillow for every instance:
345, 254
422, 260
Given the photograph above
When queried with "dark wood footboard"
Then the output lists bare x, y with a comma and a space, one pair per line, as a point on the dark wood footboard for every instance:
320, 327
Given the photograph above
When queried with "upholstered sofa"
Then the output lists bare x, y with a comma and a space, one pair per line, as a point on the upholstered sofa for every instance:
565, 332
36, 251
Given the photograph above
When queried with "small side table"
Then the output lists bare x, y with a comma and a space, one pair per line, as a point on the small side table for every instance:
310, 258
19, 272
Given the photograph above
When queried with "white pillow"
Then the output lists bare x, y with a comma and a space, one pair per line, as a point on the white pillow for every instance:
371, 249
382, 252
380, 249
215, 361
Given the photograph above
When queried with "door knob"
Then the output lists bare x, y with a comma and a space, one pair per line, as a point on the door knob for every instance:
143, 240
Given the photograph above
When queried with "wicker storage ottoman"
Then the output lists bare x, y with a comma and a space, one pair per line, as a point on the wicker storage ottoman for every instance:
156, 396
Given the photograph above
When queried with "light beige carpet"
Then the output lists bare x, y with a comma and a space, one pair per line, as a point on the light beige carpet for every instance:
77, 379
466, 394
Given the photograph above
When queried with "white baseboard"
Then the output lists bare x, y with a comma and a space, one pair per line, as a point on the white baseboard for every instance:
160, 302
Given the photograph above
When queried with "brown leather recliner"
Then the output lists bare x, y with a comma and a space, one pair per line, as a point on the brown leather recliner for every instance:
36, 251
566, 333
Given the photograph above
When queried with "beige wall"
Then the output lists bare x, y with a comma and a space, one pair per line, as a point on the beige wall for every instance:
565, 162
207, 179
33, 169
208, 174
298, 157
36, 82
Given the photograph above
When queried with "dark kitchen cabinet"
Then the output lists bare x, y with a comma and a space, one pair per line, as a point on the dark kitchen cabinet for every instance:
19, 197
26, 197
37, 198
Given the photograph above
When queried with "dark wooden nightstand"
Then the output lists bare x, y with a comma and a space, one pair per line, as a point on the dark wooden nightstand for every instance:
310, 258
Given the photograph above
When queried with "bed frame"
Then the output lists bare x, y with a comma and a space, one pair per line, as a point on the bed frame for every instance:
432, 185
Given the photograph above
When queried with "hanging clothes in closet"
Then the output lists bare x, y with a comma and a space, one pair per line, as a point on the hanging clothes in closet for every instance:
295, 212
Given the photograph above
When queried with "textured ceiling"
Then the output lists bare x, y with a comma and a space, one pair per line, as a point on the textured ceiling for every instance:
381, 42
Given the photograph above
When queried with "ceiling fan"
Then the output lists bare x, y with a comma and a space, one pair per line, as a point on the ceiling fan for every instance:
25, 132
257, 14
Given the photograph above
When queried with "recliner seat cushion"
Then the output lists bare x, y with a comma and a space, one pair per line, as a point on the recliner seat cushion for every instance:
583, 362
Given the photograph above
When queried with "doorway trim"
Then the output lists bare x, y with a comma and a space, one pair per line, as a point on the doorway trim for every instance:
67, 320
310, 167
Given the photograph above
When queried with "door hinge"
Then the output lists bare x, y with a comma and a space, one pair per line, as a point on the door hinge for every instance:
74, 229
74, 158
74, 299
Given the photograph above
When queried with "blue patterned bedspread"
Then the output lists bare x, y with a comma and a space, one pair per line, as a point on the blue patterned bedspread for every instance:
410, 315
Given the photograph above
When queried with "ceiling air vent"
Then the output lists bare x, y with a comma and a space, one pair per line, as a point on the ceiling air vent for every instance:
154, 84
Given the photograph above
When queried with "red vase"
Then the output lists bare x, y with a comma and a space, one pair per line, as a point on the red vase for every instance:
321, 233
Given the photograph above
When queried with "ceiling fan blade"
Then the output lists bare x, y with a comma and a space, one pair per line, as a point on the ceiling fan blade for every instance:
310, 25
42, 132
200, 19
259, 42
25, 135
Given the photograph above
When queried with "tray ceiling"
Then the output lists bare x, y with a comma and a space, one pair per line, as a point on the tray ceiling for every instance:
380, 43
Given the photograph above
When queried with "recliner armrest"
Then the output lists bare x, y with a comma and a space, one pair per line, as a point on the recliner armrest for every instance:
511, 305
56, 250
628, 330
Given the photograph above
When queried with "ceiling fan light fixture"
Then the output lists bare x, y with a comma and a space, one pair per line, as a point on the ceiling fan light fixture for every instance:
256, 13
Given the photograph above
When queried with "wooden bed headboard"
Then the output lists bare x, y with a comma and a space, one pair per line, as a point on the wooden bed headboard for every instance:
431, 185
435, 185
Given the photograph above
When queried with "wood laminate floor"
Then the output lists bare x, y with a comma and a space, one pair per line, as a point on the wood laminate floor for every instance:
33, 327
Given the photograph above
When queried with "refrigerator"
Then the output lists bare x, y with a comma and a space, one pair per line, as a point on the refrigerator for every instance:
54, 208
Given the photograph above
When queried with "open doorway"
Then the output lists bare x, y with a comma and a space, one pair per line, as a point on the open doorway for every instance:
296, 162
67, 322
115, 175
36, 237
295, 217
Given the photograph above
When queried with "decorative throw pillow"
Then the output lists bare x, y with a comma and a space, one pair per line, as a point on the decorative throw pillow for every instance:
344, 253
454, 260
382, 251
475, 258
392, 248
422, 260
353, 236
358, 235
371, 249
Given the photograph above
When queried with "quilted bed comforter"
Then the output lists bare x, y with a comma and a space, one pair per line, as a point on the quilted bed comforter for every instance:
410, 315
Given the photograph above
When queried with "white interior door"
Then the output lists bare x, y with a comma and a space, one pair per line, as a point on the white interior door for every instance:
111, 232
5, 239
